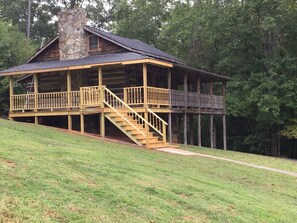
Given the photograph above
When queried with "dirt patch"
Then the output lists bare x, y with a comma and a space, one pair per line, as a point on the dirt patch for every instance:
6, 213
8, 163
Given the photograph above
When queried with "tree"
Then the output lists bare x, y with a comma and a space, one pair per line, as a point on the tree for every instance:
14, 49
254, 43
139, 19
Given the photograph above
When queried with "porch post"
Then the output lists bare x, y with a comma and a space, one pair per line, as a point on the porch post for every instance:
224, 132
36, 97
211, 131
198, 92
169, 114
100, 76
144, 73
69, 88
82, 123
211, 94
11, 93
186, 89
224, 93
199, 130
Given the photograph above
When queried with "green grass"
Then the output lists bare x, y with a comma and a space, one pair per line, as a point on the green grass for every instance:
273, 162
50, 176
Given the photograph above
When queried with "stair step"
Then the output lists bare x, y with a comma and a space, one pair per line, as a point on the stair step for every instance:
125, 123
153, 139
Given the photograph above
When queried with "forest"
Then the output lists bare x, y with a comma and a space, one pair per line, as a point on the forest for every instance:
252, 41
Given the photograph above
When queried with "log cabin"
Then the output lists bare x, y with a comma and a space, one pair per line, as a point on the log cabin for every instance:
90, 80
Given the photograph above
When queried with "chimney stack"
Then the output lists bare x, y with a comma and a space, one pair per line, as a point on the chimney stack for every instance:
72, 37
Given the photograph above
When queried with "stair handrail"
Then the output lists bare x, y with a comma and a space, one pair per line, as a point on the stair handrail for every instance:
144, 121
130, 110
160, 128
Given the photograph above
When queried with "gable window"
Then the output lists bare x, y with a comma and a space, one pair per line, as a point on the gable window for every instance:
93, 42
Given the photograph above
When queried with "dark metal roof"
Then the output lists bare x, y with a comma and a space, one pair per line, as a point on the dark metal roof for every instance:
96, 59
134, 45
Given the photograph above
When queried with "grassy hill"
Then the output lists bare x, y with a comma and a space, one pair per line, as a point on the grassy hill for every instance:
50, 176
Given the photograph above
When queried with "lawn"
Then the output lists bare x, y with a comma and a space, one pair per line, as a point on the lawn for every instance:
50, 176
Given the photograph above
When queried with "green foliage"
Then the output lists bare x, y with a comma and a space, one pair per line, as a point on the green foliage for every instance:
14, 50
290, 129
139, 19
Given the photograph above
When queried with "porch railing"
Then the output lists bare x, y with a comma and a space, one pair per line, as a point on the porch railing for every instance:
155, 96
133, 96
90, 96
53, 100
175, 98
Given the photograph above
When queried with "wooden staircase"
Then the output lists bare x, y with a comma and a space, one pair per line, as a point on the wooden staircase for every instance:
146, 129
135, 131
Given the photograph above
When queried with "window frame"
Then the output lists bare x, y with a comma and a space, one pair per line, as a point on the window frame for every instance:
89, 43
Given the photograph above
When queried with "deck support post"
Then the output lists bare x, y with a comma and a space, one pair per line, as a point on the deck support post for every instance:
36, 120
69, 90
191, 130
11, 94
199, 130
69, 122
35, 92
82, 123
224, 132
102, 125
211, 132
170, 127
185, 129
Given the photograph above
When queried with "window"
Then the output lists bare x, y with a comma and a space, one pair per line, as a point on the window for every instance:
93, 42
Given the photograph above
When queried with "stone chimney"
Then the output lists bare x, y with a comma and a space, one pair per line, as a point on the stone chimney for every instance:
72, 38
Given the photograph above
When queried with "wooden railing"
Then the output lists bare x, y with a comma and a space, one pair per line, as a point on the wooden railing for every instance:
134, 95
23, 102
155, 96
177, 98
53, 100
90, 96
158, 123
